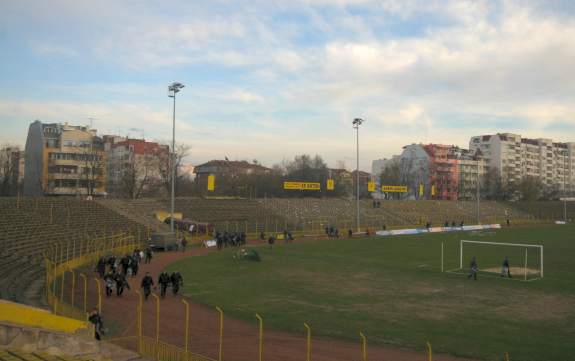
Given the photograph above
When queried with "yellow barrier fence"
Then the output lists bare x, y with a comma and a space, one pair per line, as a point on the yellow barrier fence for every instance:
162, 351
61, 262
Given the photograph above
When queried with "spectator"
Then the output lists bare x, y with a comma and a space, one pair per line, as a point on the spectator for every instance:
96, 319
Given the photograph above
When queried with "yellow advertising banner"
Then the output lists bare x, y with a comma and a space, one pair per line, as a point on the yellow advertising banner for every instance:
211, 182
330, 185
371, 186
304, 186
421, 190
394, 189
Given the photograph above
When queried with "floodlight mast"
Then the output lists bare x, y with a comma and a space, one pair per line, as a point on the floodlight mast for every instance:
565, 155
356, 123
172, 90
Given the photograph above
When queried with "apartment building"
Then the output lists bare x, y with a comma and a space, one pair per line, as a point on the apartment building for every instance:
138, 160
516, 157
437, 171
443, 171
471, 169
63, 159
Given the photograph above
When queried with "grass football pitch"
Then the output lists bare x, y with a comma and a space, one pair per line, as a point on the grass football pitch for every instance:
393, 290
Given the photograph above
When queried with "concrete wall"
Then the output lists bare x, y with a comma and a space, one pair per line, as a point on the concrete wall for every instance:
80, 345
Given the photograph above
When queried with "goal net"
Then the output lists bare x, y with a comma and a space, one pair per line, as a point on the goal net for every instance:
525, 260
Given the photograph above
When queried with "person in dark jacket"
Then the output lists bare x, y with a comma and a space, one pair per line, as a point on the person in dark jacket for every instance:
177, 281
147, 283
101, 267
125, 263
148, 255
121, 283
96, 319
505, 269
473, 269
164, 282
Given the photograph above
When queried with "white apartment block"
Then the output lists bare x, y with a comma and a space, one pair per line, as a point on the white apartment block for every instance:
516, 157
471, 170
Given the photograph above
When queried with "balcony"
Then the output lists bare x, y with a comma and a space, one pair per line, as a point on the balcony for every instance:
52, 176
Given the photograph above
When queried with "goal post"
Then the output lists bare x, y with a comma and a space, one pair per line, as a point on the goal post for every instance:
526, 260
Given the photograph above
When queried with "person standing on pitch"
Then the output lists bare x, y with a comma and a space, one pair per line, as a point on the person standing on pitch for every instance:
473, 269
147, 283
505, 271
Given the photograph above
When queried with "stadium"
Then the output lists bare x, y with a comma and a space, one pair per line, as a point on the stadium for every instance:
399, 297
302, 180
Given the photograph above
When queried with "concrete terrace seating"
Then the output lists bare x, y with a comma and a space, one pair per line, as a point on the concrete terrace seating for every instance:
30, 227
223, 213
311, 214
342, 212
549, 210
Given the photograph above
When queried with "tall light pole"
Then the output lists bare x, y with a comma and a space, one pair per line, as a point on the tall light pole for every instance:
172, 90
356, 123
477, 191
565, 153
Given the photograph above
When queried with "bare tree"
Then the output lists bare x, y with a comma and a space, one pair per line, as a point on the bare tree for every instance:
93, 166
9, 164
140, 174
165, 169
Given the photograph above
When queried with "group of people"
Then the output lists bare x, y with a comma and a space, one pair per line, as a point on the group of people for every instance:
114, 271
453, 224
165, 280
332, 232
287, 237
473, 268
229, 239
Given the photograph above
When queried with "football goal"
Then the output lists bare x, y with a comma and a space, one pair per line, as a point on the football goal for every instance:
525, 261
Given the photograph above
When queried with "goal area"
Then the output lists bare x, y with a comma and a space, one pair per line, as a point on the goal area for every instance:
525, 260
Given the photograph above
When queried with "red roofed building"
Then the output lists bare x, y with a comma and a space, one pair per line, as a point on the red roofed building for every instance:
443, 171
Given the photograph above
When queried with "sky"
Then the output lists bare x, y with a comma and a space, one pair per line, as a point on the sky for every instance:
268, 80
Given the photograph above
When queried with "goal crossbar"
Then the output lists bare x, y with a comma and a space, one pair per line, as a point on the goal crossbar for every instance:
540, 247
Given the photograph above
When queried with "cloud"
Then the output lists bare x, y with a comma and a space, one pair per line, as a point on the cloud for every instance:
246, 96
53, 50
296, 73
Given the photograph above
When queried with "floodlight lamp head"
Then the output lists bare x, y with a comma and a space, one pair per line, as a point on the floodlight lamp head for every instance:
357, 122
174, 88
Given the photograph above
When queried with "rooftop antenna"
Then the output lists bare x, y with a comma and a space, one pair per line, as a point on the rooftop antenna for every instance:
91, 119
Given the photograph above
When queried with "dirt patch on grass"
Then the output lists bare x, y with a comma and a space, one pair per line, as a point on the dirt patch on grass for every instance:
515, 271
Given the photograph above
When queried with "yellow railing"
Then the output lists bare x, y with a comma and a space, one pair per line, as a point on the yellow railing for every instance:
59, 266
162, 351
